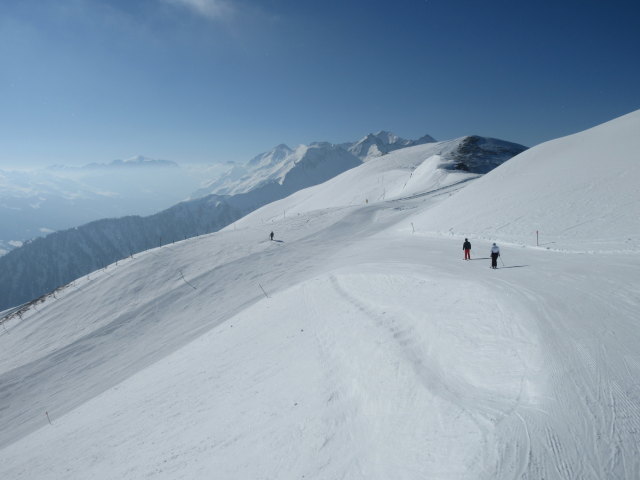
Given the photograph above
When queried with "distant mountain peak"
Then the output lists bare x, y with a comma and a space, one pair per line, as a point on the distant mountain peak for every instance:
382, 142
387, 137
276, 164
282, 147
425, 139
275, 155
137, 161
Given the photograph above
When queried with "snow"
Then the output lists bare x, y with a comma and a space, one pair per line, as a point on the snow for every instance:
358, 344
380, 143
579, 192
412, 171
274, 166
281, 171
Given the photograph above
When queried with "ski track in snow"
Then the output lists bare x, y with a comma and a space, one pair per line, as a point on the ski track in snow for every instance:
586, 366
414, 364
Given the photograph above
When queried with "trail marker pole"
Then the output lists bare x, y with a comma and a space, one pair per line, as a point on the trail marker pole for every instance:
47, 414
537, 242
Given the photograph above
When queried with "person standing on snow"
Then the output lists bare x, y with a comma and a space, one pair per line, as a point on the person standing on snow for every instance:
466, 246
495, 253
271, 235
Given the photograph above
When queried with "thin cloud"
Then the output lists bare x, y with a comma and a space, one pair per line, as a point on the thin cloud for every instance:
213, 9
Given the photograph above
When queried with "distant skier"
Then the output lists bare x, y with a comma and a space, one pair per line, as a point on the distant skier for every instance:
495, 253
466, 246
271, 235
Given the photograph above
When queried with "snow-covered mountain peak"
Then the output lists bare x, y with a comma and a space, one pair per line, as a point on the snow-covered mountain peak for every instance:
291, 168
136, 161
319, 152
425, 139
273, 165
388, 137
275, 155
382, 142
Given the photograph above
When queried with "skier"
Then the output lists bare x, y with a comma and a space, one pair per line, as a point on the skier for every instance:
466, 246
495, 253
271, 235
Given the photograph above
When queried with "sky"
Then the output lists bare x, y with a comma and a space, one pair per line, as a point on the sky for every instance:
202, 81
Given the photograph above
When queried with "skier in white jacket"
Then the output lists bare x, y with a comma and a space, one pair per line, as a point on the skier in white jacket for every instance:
495, 253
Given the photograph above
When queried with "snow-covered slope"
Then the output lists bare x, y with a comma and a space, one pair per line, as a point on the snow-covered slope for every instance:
283, 169
40, 266
411, 171
579, 192
47, 263
351, 347
43, 265
273, 167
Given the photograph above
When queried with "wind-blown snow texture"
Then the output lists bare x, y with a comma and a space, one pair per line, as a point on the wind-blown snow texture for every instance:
350, 347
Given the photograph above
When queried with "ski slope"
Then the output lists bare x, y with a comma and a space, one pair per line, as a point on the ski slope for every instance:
357, 345
579, 192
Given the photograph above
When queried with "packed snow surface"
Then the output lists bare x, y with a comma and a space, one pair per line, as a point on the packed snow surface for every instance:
358, 344
580, 193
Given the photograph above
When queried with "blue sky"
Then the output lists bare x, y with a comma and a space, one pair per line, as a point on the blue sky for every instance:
216, 80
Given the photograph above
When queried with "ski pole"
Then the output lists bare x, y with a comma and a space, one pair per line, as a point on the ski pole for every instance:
501, 261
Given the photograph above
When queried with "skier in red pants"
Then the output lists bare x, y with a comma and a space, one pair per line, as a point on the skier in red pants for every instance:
466, 246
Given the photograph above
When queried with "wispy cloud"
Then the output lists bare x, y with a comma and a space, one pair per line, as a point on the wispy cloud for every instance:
214, 9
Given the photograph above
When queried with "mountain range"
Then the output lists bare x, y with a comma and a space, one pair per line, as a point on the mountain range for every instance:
376, 144
139, 161
46, 263
271, 166
41, 200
